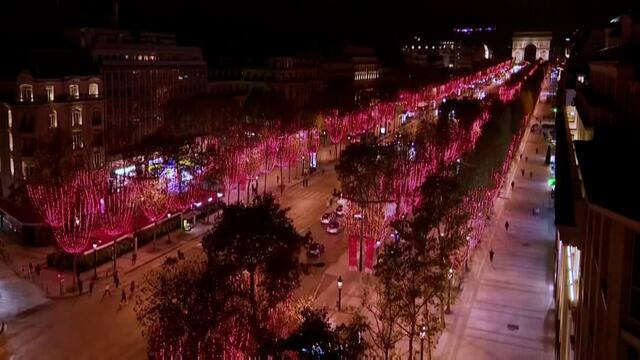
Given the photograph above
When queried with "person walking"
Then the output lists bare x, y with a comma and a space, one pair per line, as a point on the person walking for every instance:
133, 287
134, 257
536, 150
506, 226
107, 291
491, 253
526, 159
123, 298
116, 279
530, 174
513, 184
522, 171
520, 156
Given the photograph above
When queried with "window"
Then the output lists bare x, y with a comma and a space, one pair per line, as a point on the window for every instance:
10, 141
28, 169
93, 90
96, 120
74, 91
77, 141
97, 159
11, 166
9, 120
76, 117
53, 120
26, 93
50, 93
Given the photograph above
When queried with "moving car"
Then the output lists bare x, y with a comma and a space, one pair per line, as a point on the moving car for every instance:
326, 218
315, 250
340, 210
333, 227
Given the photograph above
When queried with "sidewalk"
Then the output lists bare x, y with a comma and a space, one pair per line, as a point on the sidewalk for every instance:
505, 310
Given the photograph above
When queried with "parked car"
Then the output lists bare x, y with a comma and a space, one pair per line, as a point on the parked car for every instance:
340, 210
315, 250
326, 218
333, 227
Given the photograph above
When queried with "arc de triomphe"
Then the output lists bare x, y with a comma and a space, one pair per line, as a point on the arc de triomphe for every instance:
540, 40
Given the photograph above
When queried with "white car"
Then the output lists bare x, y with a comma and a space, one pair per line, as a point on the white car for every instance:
326, 218
333, 227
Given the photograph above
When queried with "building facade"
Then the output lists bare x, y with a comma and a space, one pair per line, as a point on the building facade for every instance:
35, 108
141, 74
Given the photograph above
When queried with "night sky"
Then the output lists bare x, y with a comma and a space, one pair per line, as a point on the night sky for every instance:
303, 23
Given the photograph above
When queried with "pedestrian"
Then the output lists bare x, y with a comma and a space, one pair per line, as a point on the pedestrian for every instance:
107, 291
80, 286
533, 211
491, 253
536, 150
513, 184
520, 156
530, 174
134, 257
133, 287
522, 171
91, 288
506, 226
123, 299
38, 270
116, 279
526, 159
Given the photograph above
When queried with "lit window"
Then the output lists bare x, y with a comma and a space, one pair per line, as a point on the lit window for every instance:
139, 57
50, 93
10, 141
53, 120
74, 91
93, 90
26, 93
76, 117
11, 166
28, 169
77, 141
9, 120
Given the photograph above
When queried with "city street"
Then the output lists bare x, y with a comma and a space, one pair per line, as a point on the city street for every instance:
102, 324
505, 310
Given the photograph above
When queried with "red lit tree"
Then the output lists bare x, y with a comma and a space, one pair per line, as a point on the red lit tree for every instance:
154, 200
117, 207
336, 128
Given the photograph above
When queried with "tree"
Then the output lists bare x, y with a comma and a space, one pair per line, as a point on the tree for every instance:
186, 311
315, 338
260, 244
364, 171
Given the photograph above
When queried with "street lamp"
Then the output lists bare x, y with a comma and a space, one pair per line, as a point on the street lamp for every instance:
466, 258
340, 293
95, 259
360, 216
423, 333
169, 231
448, 310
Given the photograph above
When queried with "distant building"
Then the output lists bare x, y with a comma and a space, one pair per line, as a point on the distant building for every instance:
296, 79
141, 74
531, 46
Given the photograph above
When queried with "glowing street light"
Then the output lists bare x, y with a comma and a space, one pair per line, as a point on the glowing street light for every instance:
340, 293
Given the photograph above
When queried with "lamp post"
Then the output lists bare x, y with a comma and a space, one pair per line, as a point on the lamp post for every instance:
360, 216
95, 259
423, 333
448, 310
340, 293
169, 231
466, 258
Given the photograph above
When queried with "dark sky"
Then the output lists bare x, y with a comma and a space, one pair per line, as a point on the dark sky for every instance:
308, 22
